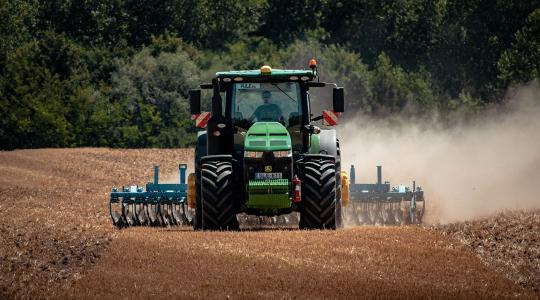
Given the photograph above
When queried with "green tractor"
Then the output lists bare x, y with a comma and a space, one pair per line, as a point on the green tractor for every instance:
261, 153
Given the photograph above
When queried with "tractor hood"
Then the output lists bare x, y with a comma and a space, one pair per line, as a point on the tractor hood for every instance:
267, 136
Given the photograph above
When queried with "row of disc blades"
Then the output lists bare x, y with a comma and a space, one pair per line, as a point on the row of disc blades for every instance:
356, 213
383, 213
154, 214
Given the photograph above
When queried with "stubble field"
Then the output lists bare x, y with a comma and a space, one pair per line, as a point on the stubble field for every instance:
57, 241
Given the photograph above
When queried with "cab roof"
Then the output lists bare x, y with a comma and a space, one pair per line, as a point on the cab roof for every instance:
275, 73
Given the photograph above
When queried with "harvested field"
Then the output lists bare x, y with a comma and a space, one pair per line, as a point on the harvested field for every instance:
509, 242
352, 263
56, 240
54, 220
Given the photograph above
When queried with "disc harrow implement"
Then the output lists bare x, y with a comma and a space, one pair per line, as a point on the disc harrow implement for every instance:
381, 204
161, 204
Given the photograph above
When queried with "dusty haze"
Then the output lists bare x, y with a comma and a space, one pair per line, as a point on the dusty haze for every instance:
466, 171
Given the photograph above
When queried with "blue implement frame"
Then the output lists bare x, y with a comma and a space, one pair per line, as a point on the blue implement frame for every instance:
163, 199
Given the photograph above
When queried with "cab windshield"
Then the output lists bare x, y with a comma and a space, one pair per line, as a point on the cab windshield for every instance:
266, 102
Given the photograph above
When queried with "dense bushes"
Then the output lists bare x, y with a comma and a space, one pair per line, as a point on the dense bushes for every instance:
116, 73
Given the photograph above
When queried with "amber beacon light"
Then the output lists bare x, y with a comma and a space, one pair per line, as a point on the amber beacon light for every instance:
313, 64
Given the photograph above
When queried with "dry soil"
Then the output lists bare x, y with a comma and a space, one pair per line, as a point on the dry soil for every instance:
57, 240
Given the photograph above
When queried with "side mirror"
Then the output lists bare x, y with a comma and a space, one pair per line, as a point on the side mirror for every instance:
195, 102
338, 99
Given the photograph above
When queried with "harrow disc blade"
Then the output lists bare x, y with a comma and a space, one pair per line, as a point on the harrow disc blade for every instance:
389, 216
188, 214
127, 213
177, 215
373, 214
362, 216
162, 215
398, 216
406, 207
349, 215
142, 215
133, 209
383, 213
117, 219
151, 212
170, 214
421, 209
116, 216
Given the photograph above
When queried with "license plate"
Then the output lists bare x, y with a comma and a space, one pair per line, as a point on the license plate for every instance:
262, 176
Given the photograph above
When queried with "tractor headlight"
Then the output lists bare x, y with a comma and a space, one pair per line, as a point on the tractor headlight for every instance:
253, 154
282, 153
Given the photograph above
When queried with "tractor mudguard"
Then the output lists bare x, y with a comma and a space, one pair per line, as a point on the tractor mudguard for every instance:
220, 157
200, 146
328, 142
318, 156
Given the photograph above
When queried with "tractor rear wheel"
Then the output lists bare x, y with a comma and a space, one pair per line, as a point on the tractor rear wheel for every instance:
318, 195
217, 206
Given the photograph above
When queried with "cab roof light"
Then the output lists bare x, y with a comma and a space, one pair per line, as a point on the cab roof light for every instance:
313, 64
266, 70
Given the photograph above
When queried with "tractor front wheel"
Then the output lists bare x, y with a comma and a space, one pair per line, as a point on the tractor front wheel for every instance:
217, 206
319, 195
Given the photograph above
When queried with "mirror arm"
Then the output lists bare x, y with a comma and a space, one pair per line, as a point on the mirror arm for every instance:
320, 84
317, 118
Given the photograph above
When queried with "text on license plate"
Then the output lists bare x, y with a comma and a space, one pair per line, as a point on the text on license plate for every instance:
259, 176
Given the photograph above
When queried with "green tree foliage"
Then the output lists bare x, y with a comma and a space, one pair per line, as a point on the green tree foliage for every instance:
91, 22
336, 64
383, 90
283, 21
116, 72
521, 62
480, 32
18, 22
40, 86
152, 91
251, 53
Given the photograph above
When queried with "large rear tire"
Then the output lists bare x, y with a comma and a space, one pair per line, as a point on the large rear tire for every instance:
217, 206
318, 195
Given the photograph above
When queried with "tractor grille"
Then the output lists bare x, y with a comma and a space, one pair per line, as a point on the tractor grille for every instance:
257, 165
278, 143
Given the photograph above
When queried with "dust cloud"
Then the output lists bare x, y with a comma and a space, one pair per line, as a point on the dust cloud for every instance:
467, 170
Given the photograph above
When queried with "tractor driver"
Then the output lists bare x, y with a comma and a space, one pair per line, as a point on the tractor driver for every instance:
267, 111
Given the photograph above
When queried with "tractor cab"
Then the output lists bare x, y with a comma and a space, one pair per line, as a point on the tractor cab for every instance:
265, 95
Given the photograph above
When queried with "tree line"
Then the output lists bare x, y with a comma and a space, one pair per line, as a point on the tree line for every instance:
116, 73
